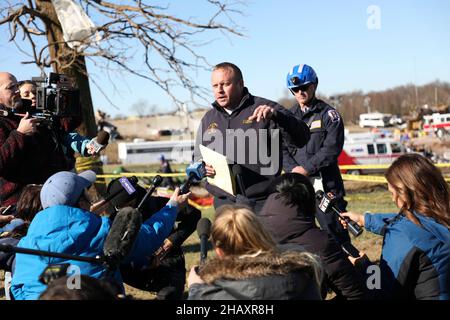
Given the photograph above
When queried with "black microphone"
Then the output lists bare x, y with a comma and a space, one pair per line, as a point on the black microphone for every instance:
203, 231
101, 141
121, 237
326, 204
237, 172
155, 184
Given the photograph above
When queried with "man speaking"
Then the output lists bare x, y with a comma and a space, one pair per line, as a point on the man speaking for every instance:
249, 131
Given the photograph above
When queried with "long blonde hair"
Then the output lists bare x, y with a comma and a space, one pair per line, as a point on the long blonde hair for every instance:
237, 231
421, 184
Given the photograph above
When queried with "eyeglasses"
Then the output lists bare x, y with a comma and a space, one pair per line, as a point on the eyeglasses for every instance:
303, 88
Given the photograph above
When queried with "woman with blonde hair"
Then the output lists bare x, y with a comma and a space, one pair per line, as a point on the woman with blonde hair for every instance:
415, 259
249, 265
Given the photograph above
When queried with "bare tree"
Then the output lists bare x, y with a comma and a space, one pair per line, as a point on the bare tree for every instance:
166, 43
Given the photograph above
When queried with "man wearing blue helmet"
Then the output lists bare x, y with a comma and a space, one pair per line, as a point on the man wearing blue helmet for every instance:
319, 157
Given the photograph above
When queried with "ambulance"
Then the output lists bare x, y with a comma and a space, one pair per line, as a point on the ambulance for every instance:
369, 149
439, 123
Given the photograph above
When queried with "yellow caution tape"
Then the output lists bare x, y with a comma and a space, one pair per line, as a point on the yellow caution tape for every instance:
380, 166
352, 177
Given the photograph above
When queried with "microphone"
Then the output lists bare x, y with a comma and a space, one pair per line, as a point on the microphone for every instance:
237, 172
121, 237
195, 171
128, 186
155, 184
99, 143
326, 204
203, 231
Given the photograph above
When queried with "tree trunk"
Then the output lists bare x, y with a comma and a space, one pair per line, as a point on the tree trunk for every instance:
68, 62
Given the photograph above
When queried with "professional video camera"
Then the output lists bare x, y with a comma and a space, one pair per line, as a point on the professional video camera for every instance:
56, 97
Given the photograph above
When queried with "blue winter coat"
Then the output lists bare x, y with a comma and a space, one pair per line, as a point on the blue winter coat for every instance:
70, 230
415, 261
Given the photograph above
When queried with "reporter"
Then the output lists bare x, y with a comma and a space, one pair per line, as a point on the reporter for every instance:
249, 266
66, 226
415, 258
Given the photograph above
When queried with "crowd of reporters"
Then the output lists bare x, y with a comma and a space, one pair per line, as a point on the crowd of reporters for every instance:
278, 252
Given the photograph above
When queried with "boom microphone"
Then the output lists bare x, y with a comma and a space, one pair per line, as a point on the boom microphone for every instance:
326, 204
195, 172
121, 237
203, 231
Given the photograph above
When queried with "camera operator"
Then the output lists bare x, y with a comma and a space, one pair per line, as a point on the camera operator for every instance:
30, 151
65, 127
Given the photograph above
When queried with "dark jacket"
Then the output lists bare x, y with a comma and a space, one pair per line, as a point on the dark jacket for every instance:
268, 276
26, 159
231, 135
415, 261
323, 148
288, 225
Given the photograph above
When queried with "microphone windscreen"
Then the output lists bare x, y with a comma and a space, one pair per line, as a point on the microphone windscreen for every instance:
157, 180
102, 137
204, 227
123, 233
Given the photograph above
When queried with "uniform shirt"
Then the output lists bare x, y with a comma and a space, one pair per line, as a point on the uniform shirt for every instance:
323, 148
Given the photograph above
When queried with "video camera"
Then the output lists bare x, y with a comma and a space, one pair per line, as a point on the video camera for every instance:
56, 97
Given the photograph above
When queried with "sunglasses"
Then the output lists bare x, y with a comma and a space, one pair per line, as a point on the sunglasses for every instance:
303, 88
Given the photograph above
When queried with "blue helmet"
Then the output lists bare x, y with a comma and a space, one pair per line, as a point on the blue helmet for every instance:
300, 75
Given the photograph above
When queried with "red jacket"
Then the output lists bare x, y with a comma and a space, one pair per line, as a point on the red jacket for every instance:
27, 159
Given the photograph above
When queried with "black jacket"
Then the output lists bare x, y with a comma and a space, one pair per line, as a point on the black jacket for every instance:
323, 148
258, 151
287, 225
268, 276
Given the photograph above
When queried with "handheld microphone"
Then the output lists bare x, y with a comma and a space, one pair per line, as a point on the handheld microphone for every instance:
195, 171
237, 172
155, 184
326, 205
100, 142
128, 185
121, 237
203, 231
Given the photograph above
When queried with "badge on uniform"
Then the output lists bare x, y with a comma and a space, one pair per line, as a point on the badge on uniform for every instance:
316, 124
212, 127
334, 115
246, 121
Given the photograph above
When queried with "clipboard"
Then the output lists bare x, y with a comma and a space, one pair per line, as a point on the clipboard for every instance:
223, 178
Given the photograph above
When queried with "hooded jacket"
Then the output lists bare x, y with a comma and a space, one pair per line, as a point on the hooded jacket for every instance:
268, 276
415, 261
71, 230
288, 225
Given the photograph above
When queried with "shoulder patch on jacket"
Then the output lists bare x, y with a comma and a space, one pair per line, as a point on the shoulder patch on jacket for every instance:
334, 115
316, 124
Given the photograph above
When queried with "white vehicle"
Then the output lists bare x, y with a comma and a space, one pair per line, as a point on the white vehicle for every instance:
439, 123
374, 120
368, 149
178, 151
